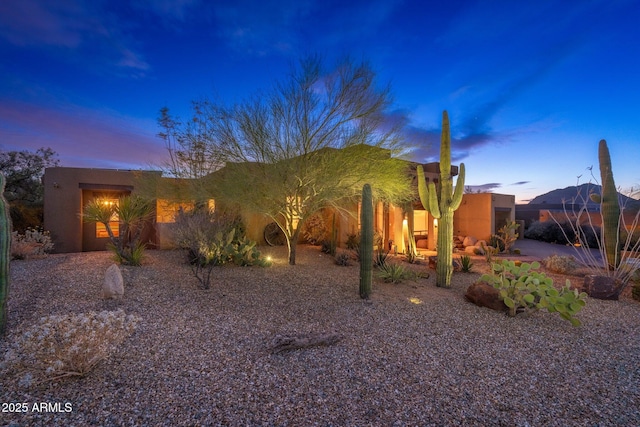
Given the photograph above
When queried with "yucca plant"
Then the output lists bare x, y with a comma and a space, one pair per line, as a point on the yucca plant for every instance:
132, 212
393, 273
466, 264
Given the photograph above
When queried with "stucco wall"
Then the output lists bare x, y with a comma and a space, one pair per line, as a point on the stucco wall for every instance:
63, 200
476, 215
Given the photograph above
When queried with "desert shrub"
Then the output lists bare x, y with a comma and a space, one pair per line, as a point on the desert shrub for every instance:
550, 232
505, 237
212, 239
66, 345
353, 241
394, 273
523, 288
380, 257
314, 230
635, 291
466, 264
34, 241
589, 235
25, 216
329, 247
560, 263
411, 257
489, 253
496, 243
633, 239
343, 259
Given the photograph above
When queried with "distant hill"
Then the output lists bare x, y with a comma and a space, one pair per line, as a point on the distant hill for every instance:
582, 191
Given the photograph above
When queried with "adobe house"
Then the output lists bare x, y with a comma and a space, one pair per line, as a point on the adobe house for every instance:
67, 190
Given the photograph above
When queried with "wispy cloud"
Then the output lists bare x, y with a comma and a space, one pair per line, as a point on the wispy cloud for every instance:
297, 27
482, 188
80, 136
71, 25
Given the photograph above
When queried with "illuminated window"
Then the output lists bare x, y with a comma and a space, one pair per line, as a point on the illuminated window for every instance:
166, 211
114, 224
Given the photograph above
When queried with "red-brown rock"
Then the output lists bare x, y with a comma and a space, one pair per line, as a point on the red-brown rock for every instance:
602, 287
484, 295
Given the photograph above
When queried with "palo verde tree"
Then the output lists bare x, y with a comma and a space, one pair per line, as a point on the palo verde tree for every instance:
309, 143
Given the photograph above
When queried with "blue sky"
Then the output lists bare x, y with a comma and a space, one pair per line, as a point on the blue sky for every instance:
531, 87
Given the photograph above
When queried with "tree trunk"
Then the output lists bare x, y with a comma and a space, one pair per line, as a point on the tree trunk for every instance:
292, 243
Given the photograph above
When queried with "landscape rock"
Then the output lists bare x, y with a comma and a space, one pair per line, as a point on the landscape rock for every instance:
113, 286
484, 295
470, 250
602, 287
469, 241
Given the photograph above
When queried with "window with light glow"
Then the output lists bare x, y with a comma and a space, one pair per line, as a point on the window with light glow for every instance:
114, 224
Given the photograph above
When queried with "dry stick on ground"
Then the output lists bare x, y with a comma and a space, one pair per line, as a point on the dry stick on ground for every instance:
283, 343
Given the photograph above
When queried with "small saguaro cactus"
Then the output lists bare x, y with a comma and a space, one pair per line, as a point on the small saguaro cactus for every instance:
5, 255
366, 242
609, 207
441, 202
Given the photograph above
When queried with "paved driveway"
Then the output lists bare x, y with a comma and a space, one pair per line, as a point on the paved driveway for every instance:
541, 250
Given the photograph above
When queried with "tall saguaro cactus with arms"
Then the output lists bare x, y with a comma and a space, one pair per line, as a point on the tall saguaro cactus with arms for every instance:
441, 202
5, 255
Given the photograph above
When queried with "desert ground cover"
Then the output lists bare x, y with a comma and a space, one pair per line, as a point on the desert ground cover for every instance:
413, 354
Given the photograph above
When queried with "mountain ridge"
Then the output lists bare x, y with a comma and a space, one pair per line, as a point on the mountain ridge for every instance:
580, 194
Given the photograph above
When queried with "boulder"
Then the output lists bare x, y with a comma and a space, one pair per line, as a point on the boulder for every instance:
113, 286
481, 243
469, 241
484, 295
602, 287
471, 250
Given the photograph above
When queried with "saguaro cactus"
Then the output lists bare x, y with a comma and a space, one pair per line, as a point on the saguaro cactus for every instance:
441, 202
5, 255
609, 207
366, 242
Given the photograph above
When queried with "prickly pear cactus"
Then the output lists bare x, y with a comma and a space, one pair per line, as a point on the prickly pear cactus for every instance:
609, 207
5, 255
441, 203
366, 242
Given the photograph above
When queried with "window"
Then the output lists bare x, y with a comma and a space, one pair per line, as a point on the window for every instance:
114, 224
166, 210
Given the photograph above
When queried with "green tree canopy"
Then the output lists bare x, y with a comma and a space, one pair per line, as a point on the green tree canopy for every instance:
23, 171
310, 142
24, 189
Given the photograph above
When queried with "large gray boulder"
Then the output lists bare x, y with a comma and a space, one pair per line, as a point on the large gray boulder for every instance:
113, 286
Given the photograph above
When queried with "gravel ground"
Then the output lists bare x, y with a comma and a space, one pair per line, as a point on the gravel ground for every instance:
413, 355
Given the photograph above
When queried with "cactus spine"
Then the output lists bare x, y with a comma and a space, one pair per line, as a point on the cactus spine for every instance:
366, 242
441, 202
5, 255
609, 207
